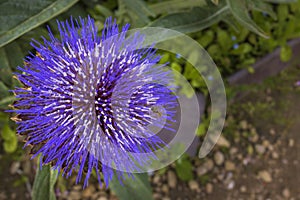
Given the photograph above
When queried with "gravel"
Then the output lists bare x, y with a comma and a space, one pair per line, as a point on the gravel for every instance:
172, 181
219, 158
209, 188
265, 176
229, 166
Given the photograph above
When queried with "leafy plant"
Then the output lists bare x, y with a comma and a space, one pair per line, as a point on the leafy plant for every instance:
44, 181
134, 188
184, 168
233, 32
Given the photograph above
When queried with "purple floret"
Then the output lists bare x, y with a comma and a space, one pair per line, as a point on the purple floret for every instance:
88, 101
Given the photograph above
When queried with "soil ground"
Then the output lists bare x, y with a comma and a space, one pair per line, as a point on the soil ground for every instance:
261, 159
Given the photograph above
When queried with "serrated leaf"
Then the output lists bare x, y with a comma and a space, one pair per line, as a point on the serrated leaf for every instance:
239, 11
44, 182
195, 20
133, 189
18, 16
175, 6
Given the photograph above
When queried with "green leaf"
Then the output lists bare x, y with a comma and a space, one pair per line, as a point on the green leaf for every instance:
206, 38
138, 11
201, 130
224, 39
283, 12
5, 71
10, 139
243, 35
10, 146
191, 21
175, 66
3, 117
285, 53
184, 169
3, 91
18, 16
6, 101
99, 9
214, 50
175, 6
242, 49
7, 134
231, 21
216, 2
281, 1
44, 182
240, 12
133, 189
262, 7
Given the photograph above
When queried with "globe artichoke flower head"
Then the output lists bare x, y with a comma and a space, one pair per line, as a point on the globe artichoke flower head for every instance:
89, 101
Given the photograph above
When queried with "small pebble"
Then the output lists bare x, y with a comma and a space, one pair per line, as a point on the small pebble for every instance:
209, 164
260, 149
74, 195
265, 176
77, 187
88, 191
193, 185
201, 170
233, 150
266, 143
243, 189
219, 158
243, 124
272, 131
14, 167
102, 198
165, 189
156, 179
172, 181
229, 166
223, 142
275, 155
286, 193
157, 196
254, 138
291, 142
231, 185
209, 188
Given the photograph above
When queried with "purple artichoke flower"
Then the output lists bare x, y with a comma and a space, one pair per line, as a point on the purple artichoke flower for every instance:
90, 102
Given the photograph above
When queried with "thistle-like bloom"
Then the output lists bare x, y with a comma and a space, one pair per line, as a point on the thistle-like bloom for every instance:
91, 102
